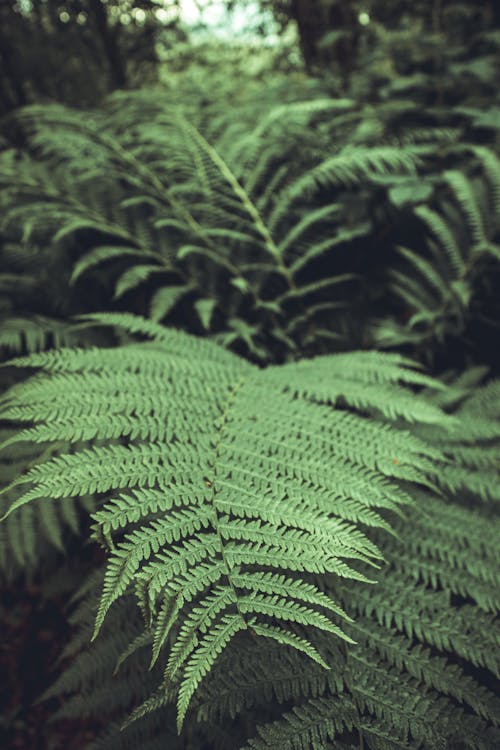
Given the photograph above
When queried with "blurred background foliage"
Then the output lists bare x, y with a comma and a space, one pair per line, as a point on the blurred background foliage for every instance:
78, 51
416, 227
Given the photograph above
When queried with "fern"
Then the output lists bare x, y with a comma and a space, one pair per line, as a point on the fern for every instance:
27, 536
413, 658
438, 287
225, 214
198, 527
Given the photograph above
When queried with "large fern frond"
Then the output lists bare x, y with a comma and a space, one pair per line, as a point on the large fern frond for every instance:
227, 486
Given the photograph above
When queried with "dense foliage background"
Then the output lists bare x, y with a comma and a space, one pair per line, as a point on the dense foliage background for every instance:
287, 178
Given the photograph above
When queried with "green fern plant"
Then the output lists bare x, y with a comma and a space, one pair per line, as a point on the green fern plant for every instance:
222, 533
217, 224
31, 536
439, 286
226, 230
424, 637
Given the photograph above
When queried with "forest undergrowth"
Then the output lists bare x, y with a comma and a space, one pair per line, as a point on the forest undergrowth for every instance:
250, 409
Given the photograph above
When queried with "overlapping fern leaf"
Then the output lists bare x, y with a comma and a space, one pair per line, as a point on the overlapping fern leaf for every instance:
471, 447
30, 536
226, 489
39, 532
36, 534
440, 286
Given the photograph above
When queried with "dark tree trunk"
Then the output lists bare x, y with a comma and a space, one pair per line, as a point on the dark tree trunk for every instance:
10, 75
110, 46
315, 19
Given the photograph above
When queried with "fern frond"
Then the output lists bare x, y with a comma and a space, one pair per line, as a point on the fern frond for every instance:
253, 493
491, 166
310, 726
30, 536
441, 231
353, 165
470, 446
103, 254
464, 195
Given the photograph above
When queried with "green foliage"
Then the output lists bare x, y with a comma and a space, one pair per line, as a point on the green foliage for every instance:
197, 221
78, 51
412, 665
230, 233
195, 527
298, 532
26, 538
438, 287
